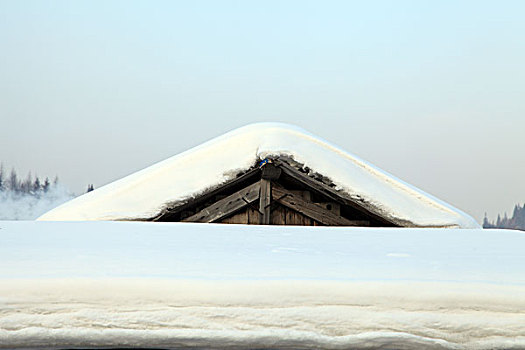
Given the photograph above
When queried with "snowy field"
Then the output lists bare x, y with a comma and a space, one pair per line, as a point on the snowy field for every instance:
172, 285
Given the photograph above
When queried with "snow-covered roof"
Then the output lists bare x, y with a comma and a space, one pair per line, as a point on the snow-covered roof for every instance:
177, 285
146, 193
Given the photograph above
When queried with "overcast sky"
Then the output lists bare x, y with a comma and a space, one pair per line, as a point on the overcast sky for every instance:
431, 91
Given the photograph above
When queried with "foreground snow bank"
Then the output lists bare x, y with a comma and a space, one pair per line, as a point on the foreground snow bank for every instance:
260, 314
114, 284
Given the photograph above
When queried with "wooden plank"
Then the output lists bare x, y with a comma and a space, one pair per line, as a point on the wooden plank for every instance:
306, 195
331, 206
278, 216
312, 210
308, 221
227, 220
228, 205
265, 201
300, 219
289, 217
238, 218
329, 192
253, 216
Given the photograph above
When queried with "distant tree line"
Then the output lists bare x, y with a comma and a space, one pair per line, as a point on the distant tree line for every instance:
33, 186
27, 186
516, 221
28, 198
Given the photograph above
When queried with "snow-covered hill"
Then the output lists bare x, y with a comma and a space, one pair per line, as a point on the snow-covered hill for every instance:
148, 192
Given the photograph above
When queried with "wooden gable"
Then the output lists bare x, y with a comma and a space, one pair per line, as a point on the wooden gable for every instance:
275, 193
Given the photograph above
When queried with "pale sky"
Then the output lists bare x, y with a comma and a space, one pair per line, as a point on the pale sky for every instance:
430, 91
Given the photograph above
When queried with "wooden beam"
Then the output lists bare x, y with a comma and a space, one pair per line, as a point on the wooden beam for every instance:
329, 192
313, 210
331, 206
270, 172
265, 201
228, 205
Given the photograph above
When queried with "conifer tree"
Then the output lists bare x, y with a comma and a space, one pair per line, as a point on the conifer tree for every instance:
2, 185
36, 185
486, 222
14, 184
45, 186
27, 185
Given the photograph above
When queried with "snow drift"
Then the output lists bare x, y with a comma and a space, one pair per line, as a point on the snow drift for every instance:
145, 194
29, 206
180, 285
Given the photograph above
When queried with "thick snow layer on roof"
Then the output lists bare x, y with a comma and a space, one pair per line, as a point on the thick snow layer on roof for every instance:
184, 285
146, 193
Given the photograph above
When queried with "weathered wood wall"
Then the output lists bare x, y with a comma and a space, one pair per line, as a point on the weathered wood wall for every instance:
279, 216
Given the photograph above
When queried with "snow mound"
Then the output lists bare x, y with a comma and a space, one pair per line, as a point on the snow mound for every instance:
146, 193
